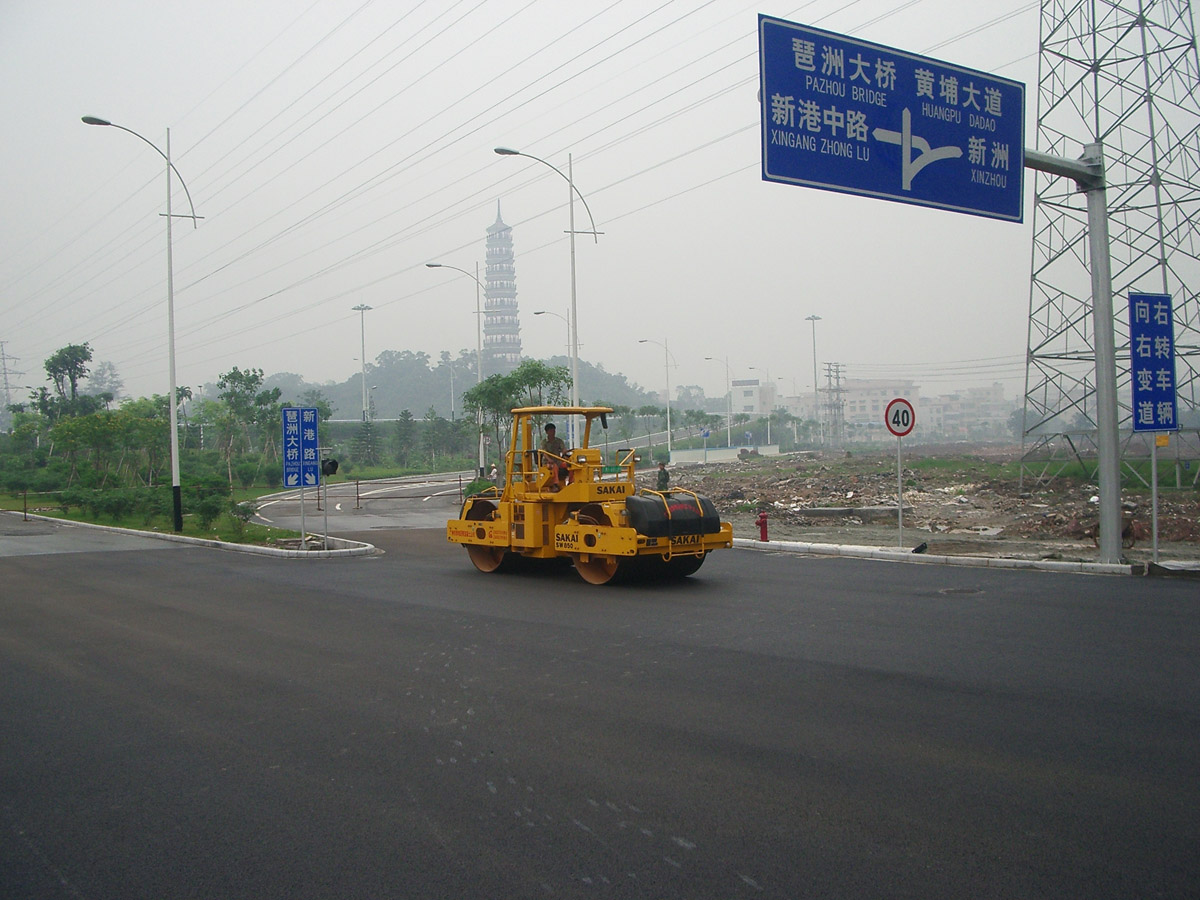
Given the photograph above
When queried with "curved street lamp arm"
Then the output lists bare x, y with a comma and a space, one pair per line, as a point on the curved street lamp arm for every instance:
93, 120
565, 178
456, 269
667, 349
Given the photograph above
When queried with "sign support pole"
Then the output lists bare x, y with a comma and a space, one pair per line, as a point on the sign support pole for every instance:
1154, 496
1108, 441
323, 495
900, 419
899, 496
1088, 173
303, 528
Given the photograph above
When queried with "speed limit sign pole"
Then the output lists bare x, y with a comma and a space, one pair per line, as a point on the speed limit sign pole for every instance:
900, 420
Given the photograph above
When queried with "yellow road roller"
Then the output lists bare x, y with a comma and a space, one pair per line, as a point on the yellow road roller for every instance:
571, 502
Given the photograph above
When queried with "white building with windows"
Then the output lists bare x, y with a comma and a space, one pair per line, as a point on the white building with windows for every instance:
752, 397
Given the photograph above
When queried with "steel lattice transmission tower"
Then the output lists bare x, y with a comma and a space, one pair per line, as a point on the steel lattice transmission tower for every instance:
1123, 73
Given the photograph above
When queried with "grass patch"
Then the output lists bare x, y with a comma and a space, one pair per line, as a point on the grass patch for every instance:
222, 520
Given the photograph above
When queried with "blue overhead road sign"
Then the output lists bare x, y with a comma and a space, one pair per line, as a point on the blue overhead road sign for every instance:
852, 116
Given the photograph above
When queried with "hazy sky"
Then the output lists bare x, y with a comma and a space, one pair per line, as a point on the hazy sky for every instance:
333, 148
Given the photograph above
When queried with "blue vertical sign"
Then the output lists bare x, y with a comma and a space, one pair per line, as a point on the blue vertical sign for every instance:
301, 456
1152, 362
848, 115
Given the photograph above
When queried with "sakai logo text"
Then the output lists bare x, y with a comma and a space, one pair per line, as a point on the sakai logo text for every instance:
684, 540
612, 489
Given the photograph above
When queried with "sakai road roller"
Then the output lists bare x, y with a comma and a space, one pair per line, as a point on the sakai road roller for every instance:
577, 505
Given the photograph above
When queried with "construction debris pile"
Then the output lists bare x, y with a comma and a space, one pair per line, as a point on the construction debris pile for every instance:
952, 495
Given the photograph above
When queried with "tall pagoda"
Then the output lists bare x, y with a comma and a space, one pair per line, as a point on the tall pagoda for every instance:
501, 324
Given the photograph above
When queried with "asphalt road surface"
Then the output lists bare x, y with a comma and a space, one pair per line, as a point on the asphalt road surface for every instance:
182, 722
423, 501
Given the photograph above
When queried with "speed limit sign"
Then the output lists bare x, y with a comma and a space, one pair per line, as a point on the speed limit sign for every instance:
899, 417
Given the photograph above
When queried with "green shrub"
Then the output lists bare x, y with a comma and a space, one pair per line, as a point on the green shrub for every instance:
240, 515
114, 505
155, 503
71, 497
209, 484
246, 471
478, 486
209, 509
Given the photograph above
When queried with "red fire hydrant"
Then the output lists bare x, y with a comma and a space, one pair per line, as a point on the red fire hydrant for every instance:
761, 522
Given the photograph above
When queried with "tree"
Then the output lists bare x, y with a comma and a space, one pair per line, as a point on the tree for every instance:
317, 400
406, 436
148, 434
532, 383
366, 448
267, 415
439, 435
67, 367
238, 391
623, 416
27, 430
105, 380
690, 395
538, 384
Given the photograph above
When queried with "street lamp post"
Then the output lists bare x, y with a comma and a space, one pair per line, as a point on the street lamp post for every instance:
816, 402
667, 366
729, 395
173, 399
362, 309
566, 320
478, 351
571, 192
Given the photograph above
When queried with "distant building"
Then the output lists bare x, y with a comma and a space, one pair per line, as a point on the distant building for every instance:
501, 324
865, 401
973, 413
752, 397
979, 413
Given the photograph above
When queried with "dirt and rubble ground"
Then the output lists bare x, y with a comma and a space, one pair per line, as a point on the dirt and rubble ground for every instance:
959, 501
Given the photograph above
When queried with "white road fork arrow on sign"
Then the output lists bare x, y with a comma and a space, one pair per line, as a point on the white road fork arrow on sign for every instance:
907, 140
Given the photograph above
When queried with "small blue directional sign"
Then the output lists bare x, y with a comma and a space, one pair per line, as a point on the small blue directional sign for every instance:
301, 458
1152, 362
852, 116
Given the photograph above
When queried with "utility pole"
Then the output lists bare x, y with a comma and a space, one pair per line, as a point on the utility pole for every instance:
834, 405
362, 309
5, 416
1116, 93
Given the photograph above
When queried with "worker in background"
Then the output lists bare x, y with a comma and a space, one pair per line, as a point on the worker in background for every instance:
664, 477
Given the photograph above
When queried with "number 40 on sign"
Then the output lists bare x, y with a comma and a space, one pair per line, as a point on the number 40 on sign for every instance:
900, 418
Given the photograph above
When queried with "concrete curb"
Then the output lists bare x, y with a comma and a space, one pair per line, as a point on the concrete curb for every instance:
898, 555
342, 547
347, 548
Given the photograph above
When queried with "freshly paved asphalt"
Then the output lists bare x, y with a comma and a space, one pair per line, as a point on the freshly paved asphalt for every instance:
181, 722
